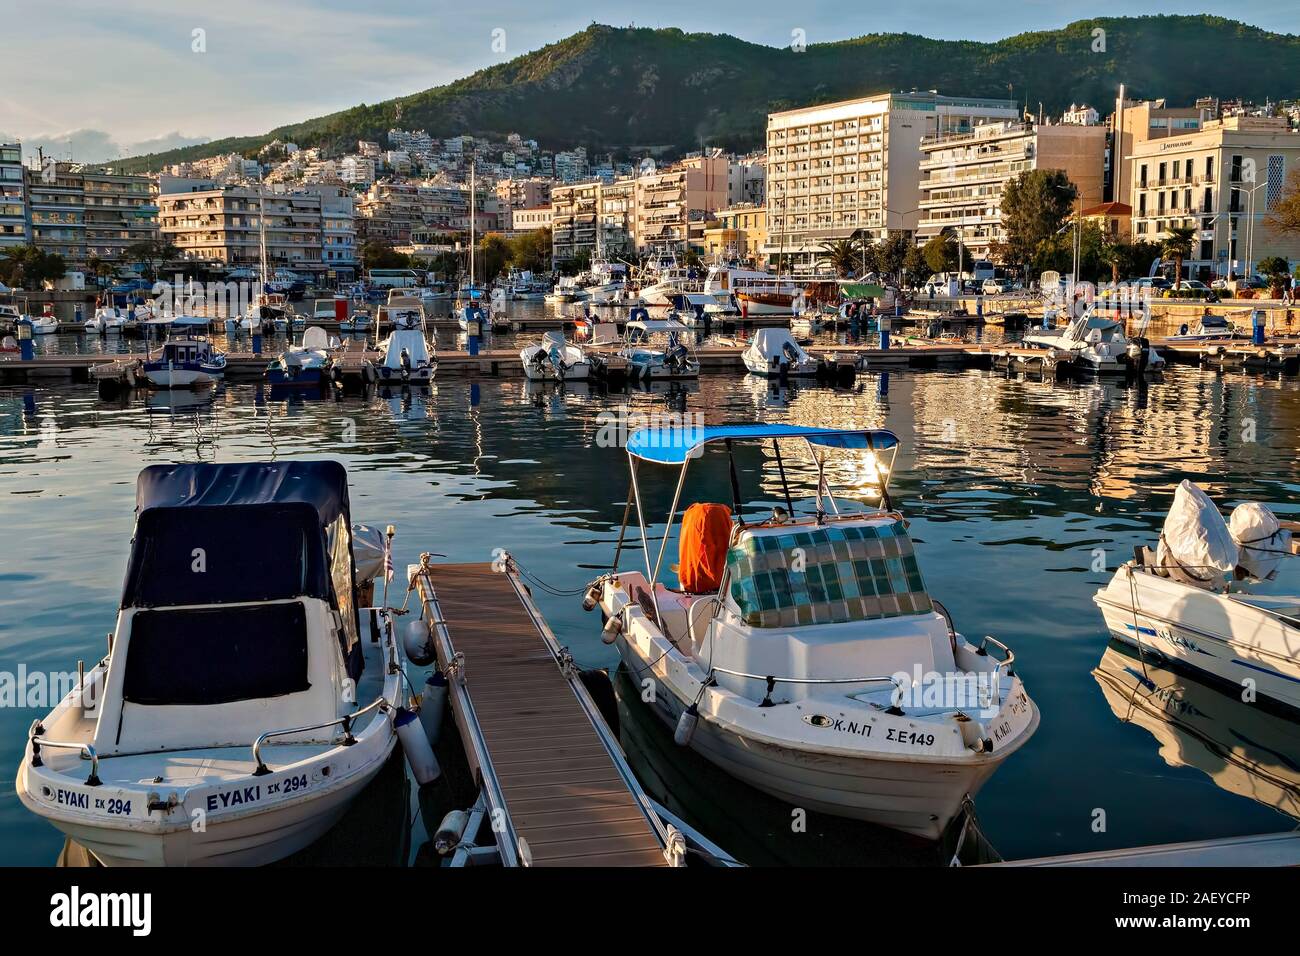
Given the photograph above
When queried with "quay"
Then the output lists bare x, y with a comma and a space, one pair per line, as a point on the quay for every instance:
553, 778
1276, 355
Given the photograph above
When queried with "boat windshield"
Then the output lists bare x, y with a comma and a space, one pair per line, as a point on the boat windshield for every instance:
826, 574
216, 655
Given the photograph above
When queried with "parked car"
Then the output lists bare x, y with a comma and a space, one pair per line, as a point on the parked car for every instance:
996, 287
1192, 289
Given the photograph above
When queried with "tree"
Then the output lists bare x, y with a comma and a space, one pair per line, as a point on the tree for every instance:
1277, 270
152, 254
493, 254
892, 253
842, 257
531, 250
1284, 217
915, 265
1034, 207
378, 254
940, 253
28, 267
1177, 245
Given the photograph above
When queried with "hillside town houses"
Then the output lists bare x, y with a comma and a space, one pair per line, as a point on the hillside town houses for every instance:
919, 163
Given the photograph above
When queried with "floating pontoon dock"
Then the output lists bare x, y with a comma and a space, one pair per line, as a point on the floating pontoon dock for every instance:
1269, 849
554, 779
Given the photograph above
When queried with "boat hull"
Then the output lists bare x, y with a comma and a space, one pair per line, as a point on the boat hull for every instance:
917, 797
765, 303
1228, 641
180, 377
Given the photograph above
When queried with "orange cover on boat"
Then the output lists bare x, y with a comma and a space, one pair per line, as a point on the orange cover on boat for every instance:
702, 551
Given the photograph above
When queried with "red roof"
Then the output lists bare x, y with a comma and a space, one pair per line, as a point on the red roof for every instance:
1109, 209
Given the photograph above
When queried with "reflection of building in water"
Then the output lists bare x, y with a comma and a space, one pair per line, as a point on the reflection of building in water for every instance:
1241, 747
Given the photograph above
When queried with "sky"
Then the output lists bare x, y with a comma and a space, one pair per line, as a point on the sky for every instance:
94, 79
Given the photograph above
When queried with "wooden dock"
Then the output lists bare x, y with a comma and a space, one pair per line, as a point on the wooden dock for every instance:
555, 780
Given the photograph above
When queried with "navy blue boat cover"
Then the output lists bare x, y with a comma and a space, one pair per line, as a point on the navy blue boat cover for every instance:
227, 533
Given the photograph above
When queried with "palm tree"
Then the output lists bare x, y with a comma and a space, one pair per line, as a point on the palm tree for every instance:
1178, 245
842, 256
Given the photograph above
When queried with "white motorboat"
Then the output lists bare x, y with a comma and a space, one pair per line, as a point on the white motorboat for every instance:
107, 319
1189, 601
775, 353
185, 362
43, 324
555, 360
407, 355
358, 321
659, 349
1241, 747
1099, 345
326, 310
802, 653
238, 712
1211, 328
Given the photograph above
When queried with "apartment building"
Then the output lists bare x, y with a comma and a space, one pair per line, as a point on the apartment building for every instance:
530, 193
307, 230
56, 209
1221, 179
573, 220
853, 168
528, 220
617, 206
118, 212
13, 197
747, 180
964, 175
1135, 122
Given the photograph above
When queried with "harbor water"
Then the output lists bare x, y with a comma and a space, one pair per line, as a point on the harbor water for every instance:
1023, 495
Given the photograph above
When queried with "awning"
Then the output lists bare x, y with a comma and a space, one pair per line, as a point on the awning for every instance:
672, 446
862, 290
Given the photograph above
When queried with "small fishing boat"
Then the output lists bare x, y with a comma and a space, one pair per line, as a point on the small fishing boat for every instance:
107, 319
775, 353
1190, 601
658, 349
184, 363
406, 354
1099, 345
801, 651
239, 711
302, 366
43, 324
554, 359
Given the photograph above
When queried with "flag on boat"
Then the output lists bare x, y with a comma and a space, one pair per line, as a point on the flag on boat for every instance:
388, 559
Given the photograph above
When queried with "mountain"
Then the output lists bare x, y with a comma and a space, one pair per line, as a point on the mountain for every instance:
631, 89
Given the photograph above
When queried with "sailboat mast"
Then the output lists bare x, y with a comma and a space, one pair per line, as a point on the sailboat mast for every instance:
472, 223
261, 222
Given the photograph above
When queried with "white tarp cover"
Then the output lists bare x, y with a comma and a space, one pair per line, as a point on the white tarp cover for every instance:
1262, 541
1195, 544
367, 552
771, 343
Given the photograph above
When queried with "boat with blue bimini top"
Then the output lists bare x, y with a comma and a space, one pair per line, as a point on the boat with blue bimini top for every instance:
657, 349
185, 362
801, 651
237, 689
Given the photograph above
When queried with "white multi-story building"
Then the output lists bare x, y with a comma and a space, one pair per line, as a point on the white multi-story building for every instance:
852, 168
358, 170
964, 175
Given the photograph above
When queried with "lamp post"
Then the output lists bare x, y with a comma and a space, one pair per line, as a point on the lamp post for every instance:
1250, 228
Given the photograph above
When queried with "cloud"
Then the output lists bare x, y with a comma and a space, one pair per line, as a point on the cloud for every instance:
97, 146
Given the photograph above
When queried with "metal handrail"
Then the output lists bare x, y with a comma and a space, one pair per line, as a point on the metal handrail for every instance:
86, 750
807, 680
346, 720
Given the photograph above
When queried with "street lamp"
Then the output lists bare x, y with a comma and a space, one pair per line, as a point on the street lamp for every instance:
1250, 227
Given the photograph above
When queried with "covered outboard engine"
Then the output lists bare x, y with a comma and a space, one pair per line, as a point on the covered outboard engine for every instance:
1196, 546
1261, 540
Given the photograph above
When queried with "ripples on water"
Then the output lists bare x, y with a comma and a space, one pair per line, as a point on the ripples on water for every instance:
1011, 485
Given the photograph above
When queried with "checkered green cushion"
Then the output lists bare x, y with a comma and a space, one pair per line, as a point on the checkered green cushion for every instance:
849, 573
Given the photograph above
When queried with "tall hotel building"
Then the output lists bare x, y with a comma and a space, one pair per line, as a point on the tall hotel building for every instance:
853, 168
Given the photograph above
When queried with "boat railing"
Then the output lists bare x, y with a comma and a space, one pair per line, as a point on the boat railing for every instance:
1006, 663
86, 750
346, 721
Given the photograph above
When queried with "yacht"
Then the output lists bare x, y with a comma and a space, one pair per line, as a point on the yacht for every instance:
185, 362
554, 359
1197, 600
801, 651
406, 354
245, 697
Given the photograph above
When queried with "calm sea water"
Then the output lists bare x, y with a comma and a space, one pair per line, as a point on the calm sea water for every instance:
1012, 486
